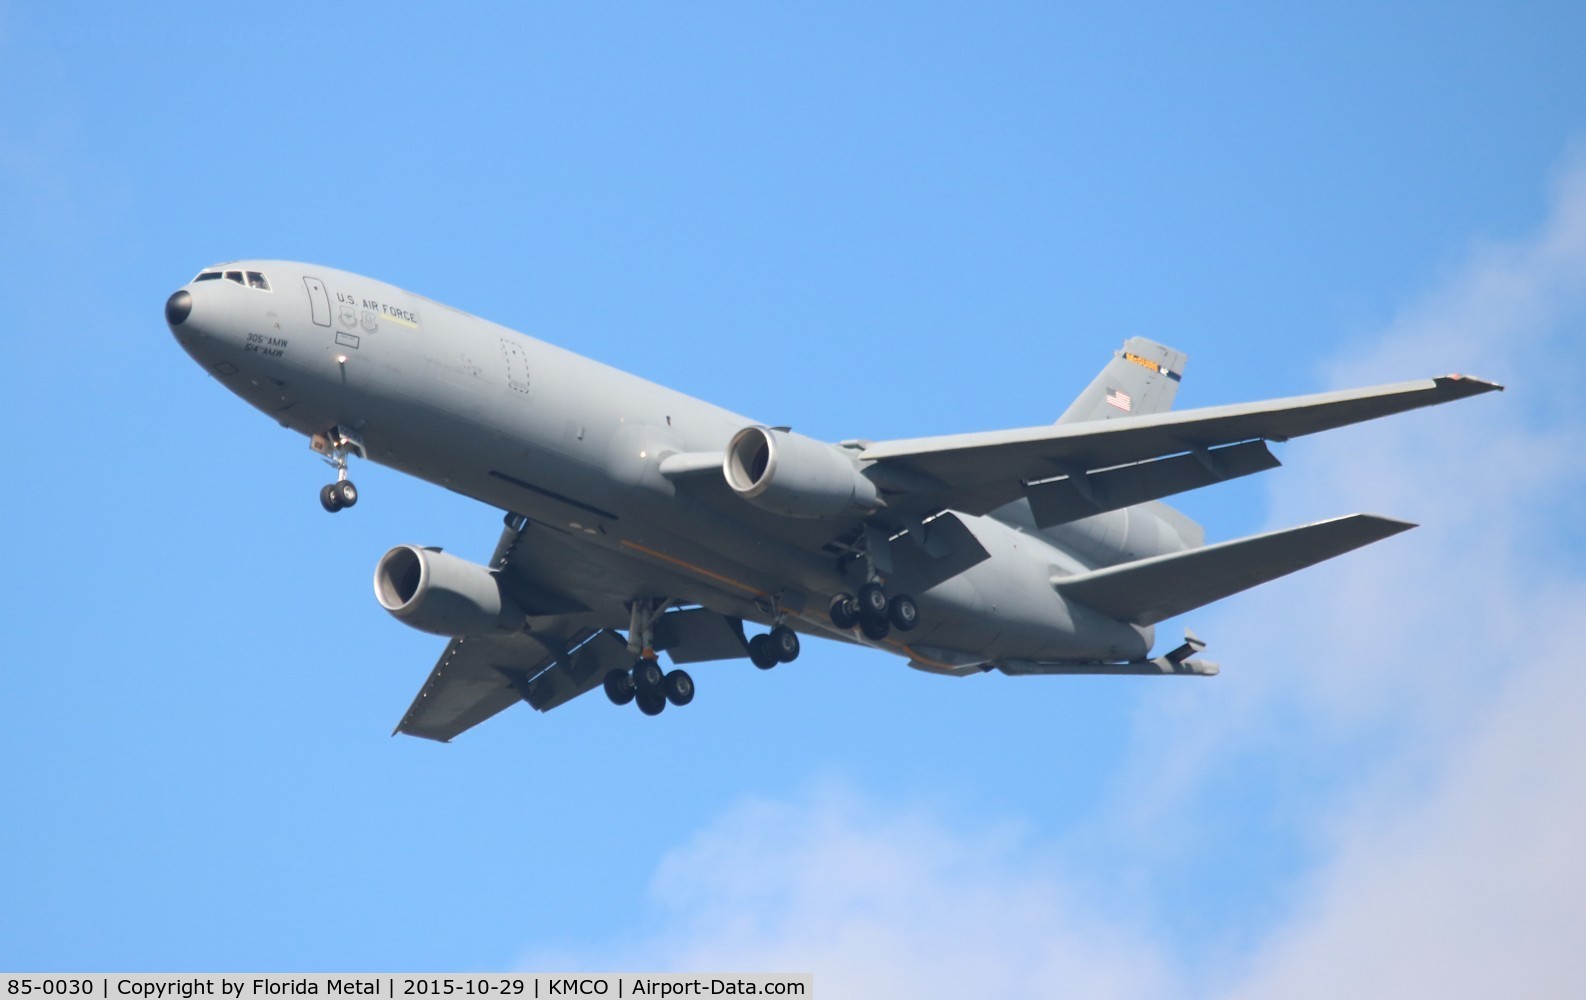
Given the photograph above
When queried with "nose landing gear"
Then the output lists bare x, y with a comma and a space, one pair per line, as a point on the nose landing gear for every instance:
337, 495
334, 446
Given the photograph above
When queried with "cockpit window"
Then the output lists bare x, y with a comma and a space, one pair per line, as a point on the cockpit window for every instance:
251, 279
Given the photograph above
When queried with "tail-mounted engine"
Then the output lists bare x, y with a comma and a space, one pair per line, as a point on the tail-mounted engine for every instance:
796, 475
439, 593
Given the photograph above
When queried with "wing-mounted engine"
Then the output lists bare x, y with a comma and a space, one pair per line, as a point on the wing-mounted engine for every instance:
796, 475
442, 594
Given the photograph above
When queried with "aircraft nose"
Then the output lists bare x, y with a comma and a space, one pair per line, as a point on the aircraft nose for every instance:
177, 308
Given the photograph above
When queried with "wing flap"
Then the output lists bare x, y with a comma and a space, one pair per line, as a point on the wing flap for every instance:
1150, 590
700, 635
1082, 494
578, 672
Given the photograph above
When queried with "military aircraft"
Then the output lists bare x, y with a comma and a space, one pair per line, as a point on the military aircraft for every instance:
639, 520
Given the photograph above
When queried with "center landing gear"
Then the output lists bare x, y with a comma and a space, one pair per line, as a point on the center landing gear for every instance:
875, 613
335, 445
780, 645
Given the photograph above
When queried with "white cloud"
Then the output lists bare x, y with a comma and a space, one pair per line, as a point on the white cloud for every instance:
1435, 681
881, 900
1478, 889
1406, 641
1456, 869
1430, 685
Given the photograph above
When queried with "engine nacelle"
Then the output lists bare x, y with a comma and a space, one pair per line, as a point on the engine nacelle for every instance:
439, 593
796, 475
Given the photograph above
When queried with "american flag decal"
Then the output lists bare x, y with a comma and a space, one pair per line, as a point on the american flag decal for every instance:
1118, 398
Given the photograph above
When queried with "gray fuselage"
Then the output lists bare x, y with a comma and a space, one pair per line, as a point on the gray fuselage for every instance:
576, 446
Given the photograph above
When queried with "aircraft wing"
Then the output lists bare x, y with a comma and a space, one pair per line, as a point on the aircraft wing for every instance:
470, 683
479, 677
566, 653
977, 473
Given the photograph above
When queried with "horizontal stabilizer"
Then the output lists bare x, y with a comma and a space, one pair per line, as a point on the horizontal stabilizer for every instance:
1150, 590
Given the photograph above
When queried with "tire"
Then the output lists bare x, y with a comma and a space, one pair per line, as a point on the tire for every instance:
619, 687
872, 602
678, 688
844, 611
760, 653
783, 643
651, 702
328, 499
903, 613
875, 630
346, 493
647, 676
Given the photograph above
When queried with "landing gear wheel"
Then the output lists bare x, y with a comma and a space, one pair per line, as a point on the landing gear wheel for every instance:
875, 630
619, 687
872, 602
678, 688
844, 611
328, 499
903, 613
345, 492
760, 652
783, 643
651, 702
647, 678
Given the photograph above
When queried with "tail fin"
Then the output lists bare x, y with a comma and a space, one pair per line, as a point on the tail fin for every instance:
1141, 378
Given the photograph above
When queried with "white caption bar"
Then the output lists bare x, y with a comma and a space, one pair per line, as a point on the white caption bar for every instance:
407, 986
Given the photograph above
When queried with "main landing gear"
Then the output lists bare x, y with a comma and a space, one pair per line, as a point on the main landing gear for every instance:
647, 683
649, 686
874, 612
335, 445
652, 688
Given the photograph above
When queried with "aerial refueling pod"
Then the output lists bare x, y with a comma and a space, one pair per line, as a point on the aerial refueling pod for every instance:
442, 594
796, 475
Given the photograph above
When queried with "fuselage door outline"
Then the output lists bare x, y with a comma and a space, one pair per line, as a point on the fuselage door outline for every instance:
517, 366
318, 301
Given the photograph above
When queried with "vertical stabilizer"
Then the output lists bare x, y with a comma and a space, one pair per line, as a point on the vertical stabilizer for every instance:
1141, 378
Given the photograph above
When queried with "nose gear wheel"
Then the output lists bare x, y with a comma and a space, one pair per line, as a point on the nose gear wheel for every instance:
335, 446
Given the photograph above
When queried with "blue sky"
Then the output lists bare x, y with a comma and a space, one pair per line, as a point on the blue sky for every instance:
861, 220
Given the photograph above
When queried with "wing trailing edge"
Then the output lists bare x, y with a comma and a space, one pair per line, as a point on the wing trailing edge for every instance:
1150, 590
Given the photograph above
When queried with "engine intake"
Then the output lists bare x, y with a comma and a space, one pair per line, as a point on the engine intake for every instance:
442, 594
795, 475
